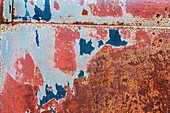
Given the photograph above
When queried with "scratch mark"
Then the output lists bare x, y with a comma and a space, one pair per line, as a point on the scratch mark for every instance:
37, 38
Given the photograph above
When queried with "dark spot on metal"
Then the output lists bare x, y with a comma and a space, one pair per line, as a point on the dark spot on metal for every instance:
9, 8
135, 101
158, 15
84, 12
127, 97
70, 16
120, 23
124, 80
160, 40
37, 38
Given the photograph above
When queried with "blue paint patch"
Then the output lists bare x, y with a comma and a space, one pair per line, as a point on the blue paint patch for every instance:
79, 28
43, 15
72, 91
53, 110
9, 8
36, 93
61, 93
100, 42
27, 13
85, 48
24, 19
37, 38
81, 74
115, 38
68, 84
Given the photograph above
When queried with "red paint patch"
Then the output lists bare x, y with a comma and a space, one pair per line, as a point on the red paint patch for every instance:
64, 56
17, 98
27, 72
31, 2
56, 6
81, 2
48, 111
104, 9
125, 33
48, 88
141, 35
101, 34
147, 9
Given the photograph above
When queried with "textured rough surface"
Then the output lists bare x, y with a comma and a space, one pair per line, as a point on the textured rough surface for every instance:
129, 72
66, 56
111, 12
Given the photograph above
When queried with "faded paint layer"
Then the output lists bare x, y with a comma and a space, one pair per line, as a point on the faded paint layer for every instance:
55, 68
104, 12
114, 60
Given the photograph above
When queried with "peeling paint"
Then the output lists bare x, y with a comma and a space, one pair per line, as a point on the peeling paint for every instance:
83, 56
110, 12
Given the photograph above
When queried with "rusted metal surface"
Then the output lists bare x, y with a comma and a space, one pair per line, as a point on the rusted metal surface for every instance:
109, 12
84, 56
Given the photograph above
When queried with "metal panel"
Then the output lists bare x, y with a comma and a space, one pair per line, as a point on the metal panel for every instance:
72, 68
84, 56
5, 11
106, 12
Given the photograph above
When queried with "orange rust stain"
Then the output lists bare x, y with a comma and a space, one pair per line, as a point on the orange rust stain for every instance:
49, 88
133, 80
